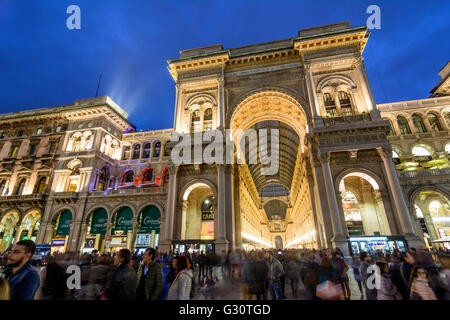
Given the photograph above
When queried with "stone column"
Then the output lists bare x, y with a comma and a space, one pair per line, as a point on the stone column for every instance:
109, 226
364, 84
49, 232
223, 197
338, 239
398, 197
183, 219
40, 237
72, 241
83, 234
337, 103
131, 242
315, 112
168, 225
221, 101
178, 111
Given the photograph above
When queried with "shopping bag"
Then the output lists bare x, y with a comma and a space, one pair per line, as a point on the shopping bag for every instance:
329, 291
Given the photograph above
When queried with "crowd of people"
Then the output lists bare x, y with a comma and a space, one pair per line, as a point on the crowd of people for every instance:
259, 274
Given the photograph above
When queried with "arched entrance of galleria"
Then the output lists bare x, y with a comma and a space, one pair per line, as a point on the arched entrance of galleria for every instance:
291, 197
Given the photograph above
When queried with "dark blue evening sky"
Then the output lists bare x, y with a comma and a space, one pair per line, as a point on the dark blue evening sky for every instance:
42, 63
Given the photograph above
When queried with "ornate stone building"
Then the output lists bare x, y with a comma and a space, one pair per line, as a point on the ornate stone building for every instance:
351, 174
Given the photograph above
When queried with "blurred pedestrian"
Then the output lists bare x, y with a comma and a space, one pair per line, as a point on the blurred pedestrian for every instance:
275, 273
366, 262
122, 282
386, 291
341, 269
356, 264
54, 286
419, 285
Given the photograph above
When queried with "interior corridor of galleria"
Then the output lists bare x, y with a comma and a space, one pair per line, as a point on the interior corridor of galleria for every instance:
351, 174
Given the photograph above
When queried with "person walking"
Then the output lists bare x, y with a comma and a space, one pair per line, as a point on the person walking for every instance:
419, 285
341, 269
356, 264
54, 286
172, 273
258, 285
4, 289
22, 278
366, 259
293, 273
182, 285
149, 277
387, 290
275, 273
122, 282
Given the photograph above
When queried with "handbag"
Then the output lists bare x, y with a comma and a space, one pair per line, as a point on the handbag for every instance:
328, 290
415, 296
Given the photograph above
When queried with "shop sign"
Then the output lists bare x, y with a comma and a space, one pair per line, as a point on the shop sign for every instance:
58, 242
207, 215
99, 221
65, 220
124, 219
150, 220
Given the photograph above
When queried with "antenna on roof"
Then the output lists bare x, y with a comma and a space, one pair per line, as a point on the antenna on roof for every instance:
98, 85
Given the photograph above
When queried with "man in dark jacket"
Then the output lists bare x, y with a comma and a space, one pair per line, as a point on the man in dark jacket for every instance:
149, 277
122, 283
23, 279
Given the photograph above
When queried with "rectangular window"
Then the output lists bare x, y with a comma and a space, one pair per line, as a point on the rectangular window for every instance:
20, 133
58, 128
52, 148
2, 135
33, 148
39, 131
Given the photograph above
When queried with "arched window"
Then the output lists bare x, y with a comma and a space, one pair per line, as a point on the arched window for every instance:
434, 122
2, 186
208, 114
157, 149
344, 101
195, 123
418, 123
126, 152
127, 177
421, 151
395, 154
77, 143
419, 213
41, 185
147, 149
88, 141
136, 151
403, 125
391, 127
20, 187
148, 175
207, 119
102, 179
330, 106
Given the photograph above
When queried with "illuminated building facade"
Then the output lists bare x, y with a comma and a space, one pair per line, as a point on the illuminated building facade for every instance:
352, 174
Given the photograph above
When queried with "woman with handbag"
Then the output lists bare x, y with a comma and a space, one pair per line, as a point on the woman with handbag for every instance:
341, 268
419, 284
328, 286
